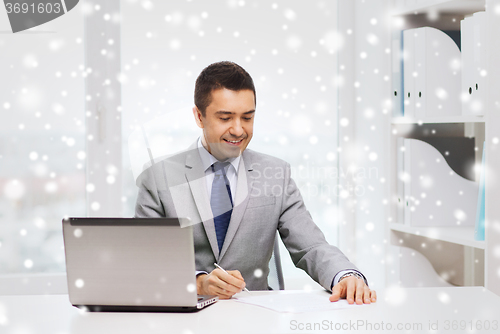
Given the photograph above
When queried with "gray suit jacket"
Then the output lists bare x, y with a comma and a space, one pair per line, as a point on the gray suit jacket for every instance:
266, 200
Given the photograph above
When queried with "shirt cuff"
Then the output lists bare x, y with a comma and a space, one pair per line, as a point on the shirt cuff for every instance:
200, 273
347, 271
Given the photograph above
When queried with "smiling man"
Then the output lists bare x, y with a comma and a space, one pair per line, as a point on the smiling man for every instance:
237, 199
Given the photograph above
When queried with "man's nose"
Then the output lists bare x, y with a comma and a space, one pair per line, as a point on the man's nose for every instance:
236, 129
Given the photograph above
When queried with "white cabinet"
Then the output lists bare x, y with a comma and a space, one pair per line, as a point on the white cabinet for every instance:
472, 262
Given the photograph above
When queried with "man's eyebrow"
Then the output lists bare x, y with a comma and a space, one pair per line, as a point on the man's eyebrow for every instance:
224, 112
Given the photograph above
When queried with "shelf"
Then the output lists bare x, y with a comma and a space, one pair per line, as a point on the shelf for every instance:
457, 235
444, 119
461, 7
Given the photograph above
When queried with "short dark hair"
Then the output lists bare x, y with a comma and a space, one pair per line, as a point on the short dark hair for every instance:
224, 74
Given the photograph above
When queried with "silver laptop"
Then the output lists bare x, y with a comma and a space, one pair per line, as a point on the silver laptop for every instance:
131, 264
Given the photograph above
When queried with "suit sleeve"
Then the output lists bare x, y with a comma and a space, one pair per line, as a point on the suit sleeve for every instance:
303, 239
148, 204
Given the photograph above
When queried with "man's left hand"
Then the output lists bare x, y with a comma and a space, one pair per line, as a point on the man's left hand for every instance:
353, 289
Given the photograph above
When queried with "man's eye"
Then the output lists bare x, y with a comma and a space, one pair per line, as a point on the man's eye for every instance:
224, 119
247, 118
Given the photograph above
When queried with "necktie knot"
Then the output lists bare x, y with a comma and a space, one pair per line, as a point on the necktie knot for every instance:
219, 167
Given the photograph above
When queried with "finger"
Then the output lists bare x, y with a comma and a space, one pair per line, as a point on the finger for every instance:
216, 287
351, 287
366, 295
225, 281
360, 289
229, 278
336, 292
236, 274
217, 291
373, 296
230, 288
218, 278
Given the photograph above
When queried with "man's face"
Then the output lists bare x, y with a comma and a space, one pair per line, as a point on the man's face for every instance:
228, 122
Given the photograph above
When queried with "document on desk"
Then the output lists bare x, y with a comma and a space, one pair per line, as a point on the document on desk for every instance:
295, 301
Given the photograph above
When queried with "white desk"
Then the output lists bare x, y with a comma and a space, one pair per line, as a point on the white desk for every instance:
53, 314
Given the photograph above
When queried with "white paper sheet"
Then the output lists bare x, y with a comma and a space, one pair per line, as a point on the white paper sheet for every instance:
295, 302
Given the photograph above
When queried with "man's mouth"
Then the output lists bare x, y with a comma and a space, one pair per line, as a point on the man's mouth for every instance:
234, 142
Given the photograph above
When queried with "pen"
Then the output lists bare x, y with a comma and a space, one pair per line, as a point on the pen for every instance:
215, 264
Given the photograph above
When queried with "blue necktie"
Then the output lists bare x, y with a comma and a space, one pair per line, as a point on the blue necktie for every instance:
221, 201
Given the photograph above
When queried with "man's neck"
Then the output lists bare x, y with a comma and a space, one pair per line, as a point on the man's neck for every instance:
205, 144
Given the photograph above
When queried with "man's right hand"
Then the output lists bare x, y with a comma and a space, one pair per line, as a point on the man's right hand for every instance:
219, 283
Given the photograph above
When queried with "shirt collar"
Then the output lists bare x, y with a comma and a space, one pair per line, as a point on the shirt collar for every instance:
208, 159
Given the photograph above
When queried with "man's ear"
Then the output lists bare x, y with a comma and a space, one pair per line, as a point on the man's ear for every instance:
198, 117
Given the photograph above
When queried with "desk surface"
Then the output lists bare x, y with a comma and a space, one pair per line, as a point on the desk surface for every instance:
418, 308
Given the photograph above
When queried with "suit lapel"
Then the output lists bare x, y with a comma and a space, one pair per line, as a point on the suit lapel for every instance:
243, 190
195, 176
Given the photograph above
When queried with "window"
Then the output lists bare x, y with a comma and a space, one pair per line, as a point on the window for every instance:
42, 148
